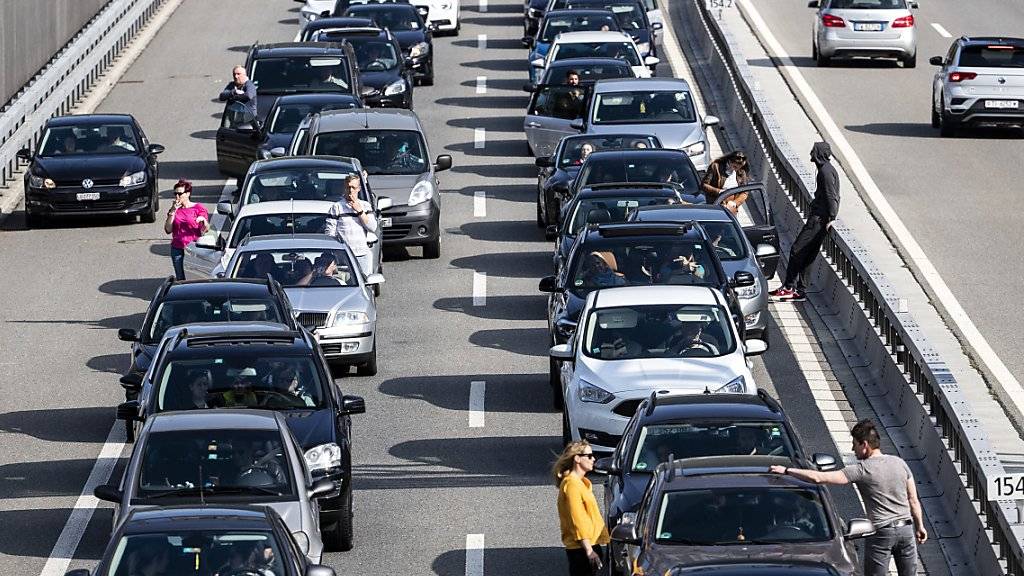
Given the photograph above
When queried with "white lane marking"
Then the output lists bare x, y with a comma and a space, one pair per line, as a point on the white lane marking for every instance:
479, 288
481, 41
481, 84
64, 549
218, 220
477, 389
479, 204
483, 5
475, 550
479, 138
969, 334
942, 31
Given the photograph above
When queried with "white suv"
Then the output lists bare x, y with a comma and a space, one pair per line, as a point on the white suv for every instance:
635, 340
980, 81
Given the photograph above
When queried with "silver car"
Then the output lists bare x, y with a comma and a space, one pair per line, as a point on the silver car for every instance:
864, 28
223, 456
330, 296
980, 82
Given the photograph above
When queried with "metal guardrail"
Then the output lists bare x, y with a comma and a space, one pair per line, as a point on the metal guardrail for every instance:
918, 399
68, 77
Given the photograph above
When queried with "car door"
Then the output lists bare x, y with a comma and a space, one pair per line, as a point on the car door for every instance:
203, 255
553, 108
237, 139
759, 228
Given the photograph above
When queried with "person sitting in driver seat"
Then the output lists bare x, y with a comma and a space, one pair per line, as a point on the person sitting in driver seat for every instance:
690, 340
680, 260
599, 271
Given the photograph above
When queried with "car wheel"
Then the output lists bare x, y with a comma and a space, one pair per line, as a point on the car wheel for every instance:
566, 434
129, 431
555, 380
428, 80
458, 28
33, 220
910, 62
149, 216
822, 61
432, 251
339, 538
376, 290
935, 116
369, 368
947, 126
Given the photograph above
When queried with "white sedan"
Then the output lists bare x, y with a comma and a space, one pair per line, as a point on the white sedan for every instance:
635, 340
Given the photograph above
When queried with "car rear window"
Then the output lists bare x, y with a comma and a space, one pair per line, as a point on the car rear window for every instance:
712, 438
868, 5
992, 56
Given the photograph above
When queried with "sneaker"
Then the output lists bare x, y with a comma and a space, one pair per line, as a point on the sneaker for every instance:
782, 294
798, 296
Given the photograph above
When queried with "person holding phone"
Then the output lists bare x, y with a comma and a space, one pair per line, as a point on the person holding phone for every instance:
584, 533
186, 222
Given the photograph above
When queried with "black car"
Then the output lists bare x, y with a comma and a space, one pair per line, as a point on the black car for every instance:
640, 166
300, 67
631, 251
756, 568
632, 18
560, 169
205, 540
533, 11
387, 82
267, 366
314, 28
91, 164
605, 204
407, 25
590, 70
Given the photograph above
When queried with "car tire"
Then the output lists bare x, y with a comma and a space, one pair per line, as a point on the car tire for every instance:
369, 368
823, 61
33, 220
129, 431
149, 216
566, 433
376, 290
555, 380
947, 126
339, 538
428, 80
911, 61
936, 121
432, 250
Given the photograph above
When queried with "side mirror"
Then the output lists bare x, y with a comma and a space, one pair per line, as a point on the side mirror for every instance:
318, 570
321, 488
652, 61
657, 26
859, 528
374, 279
24, 154
561, 352
544, 162
128, 411
547, 284
934, 61
353, 405
156, 148
128, 335
625, 533
538, 63
383, 203
742, 279
710, 120
577, 124
277, 152
765, 251
131, 381
442, 163
108, 493
754, 347
606, 465
812, 4
529, 87
225, 208
824, 462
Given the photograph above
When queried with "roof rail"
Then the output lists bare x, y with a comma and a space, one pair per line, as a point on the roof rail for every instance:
642, 228
771, 402
615, 185
182, 334
671, 463
162, 291
653, 401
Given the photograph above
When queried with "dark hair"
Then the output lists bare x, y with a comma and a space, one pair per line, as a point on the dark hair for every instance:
182, 183
737, 155
864, 431
571, 72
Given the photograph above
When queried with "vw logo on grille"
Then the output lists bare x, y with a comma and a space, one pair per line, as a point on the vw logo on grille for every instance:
87, 183
1001, 80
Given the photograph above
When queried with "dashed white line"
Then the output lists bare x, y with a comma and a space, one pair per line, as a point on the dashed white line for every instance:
481, 84
479, 204
483, 5
475, 553
479, 288
479, 138
481, 41
942, 31
477, 389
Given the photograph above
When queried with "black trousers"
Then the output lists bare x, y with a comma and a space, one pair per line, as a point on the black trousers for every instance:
805, 249
579, 564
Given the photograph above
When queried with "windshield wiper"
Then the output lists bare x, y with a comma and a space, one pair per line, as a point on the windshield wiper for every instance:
212, 490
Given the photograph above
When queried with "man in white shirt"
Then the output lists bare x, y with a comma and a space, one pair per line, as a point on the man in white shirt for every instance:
351, 219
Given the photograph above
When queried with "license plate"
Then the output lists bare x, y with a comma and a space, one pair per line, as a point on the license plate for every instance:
88, 196
385, 222
1002, 104
868, 27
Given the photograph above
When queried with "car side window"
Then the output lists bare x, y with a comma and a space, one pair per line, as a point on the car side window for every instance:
951, 55
622, 450
237, 116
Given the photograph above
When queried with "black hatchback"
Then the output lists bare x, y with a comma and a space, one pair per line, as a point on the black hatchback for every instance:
414, 35
91, 164
387, 80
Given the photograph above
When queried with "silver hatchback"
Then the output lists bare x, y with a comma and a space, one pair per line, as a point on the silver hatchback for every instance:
864, 28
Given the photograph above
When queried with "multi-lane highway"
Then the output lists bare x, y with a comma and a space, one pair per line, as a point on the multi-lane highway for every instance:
430, 475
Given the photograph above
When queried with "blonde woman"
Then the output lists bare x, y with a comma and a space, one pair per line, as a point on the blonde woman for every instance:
583, 528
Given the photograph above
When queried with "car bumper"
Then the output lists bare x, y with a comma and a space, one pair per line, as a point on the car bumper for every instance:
412, 226
113, 201
349, 343
868, 44
421, 66
971, 109
445, 20
334, 502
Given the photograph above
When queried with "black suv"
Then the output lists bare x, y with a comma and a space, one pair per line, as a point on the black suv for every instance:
387, 80
268, 366
410, 29
632, 253
300, 67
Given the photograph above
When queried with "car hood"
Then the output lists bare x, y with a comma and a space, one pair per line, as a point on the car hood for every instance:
329, 299
381, 79
664, 557
671, 135
540, 50
685, 375
409, 38
311, 427
96, 167
396, 187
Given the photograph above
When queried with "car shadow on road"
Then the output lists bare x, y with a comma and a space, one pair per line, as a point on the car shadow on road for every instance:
141, 288
110, 363
31, 533
493, 123
485, 102
508, 264
498, 307
495, 43
503, 21
113, 322
535, 561
921, 130
38, 479
493, 148
516, 171
524, 341
506, 393
510, 84
518, 231
90, 424
512, 193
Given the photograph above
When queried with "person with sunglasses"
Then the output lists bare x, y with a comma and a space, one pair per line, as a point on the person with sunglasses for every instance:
186, 222
584, 532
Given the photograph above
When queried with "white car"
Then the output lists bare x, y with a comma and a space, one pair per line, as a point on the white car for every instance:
640, 339
443, 14
600, 44
313, 10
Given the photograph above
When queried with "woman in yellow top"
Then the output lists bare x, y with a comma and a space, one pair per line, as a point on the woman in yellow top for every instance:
583, 528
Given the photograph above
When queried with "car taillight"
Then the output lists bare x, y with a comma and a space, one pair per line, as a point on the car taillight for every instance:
830, 21
961, 76
904, 22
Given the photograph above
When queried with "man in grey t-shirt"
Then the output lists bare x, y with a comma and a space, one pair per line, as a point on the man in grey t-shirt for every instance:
890, 496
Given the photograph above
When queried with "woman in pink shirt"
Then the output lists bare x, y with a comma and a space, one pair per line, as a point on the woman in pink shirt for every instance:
186, 222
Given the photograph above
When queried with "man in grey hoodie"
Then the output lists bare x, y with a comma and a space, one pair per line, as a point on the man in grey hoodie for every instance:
823, 211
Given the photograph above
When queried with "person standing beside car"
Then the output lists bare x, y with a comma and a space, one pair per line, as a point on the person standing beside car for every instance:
351, 220
726, 172
186, 222
240, 89
583, 529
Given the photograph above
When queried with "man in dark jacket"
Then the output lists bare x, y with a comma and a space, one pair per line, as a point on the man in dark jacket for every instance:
824, 209
240, 90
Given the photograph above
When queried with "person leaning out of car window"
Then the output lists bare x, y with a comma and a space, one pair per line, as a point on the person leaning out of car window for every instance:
351, 219
584, 532
186, 222
726, 172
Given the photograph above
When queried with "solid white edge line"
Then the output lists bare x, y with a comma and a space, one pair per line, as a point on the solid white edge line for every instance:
481, 41
942, 31
481, 84
477, 391
479, 288
479, 138
970, 336
479, 204
474, 555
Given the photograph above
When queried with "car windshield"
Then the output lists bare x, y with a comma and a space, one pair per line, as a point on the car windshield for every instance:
642, 168
995, 56
629, 15
601, 210
392, 17
83, 139
658, 331
712, 438
742, 516
621, 50
559, 101
555, 25
644, 107
315, 268
727, 238
868, 5
198, 553
275, 383
301, 74
576, 149
589, 73
172, 313
400, 152
374, 54
302, 183
250, 465
266, 224
634, 261
285, 118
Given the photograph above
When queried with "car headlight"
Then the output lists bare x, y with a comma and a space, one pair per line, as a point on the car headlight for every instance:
695, 149
421, 49
534, 13
421, 192
644, 48
309, 16
40, 182
590, 393
737, 385
397, 87
748, 292
350, 317
323, 457
134, 179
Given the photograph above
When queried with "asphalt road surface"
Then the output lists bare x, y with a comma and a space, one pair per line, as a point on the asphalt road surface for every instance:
424, 478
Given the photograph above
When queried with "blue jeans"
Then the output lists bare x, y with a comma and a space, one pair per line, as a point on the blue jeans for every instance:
899, 543
178, 261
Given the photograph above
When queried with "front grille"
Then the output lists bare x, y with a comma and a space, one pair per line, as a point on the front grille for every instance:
397, 232
312, 320
95, 182
86, 206
331, 348
627, 408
